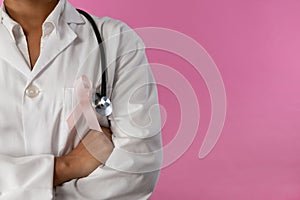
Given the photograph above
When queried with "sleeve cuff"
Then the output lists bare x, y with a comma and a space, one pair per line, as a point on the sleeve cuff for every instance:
124, 161
26, 176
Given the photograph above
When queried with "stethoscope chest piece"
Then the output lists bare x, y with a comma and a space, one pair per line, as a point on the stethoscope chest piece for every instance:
103, 106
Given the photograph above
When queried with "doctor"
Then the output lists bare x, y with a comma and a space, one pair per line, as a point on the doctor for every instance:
45, 46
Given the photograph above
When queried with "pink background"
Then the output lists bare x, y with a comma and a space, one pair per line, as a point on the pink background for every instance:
256, 45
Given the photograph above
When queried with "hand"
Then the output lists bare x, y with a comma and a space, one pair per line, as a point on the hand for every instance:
90, 153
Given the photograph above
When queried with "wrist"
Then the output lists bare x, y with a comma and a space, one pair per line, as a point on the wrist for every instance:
62, 170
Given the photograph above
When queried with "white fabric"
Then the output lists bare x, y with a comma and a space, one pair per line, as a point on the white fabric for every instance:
34, 106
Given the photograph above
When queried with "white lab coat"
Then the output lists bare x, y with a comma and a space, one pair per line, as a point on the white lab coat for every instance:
34, 106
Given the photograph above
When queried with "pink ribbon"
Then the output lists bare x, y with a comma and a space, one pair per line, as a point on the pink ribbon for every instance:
83, 90
120, 159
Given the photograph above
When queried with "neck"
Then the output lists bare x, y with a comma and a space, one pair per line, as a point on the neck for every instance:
30, 14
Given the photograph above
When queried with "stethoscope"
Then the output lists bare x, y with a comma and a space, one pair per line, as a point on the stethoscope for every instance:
101, 102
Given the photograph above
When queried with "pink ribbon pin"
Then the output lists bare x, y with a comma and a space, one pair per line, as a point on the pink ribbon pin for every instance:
83, 90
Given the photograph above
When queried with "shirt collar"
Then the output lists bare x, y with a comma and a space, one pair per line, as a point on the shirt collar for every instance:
54, 17
63, 11
9, 23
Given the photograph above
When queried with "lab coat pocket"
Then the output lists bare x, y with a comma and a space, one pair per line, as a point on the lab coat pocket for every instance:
65, 137
68, 102
79, 127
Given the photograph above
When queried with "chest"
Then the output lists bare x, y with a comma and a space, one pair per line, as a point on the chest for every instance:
34, 109
35, 103
33, 40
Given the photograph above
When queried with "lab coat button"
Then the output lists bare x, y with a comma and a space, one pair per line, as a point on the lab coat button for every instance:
32, 91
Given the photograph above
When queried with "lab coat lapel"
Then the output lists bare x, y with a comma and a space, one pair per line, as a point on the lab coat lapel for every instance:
60, 40
10, 52
56, 44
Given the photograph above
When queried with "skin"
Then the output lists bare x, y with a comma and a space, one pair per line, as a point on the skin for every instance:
31, 14
80, 162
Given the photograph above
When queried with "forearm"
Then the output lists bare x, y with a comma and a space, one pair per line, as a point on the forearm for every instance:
107, 183
90, 153
64, 171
